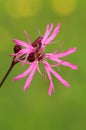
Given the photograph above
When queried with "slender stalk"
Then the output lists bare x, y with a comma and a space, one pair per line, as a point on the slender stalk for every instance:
9, 70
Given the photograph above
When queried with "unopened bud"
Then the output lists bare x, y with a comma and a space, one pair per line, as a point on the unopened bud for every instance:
17, 48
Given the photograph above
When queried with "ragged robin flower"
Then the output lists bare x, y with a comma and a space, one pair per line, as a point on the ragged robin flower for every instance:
33, 54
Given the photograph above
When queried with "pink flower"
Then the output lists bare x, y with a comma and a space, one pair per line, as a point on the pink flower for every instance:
34, 54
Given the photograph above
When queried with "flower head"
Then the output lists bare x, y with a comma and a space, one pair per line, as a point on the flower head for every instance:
33, 54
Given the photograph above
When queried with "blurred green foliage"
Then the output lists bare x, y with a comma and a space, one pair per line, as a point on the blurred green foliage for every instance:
34, 109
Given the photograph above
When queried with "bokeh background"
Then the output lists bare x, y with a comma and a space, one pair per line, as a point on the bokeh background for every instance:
34, 109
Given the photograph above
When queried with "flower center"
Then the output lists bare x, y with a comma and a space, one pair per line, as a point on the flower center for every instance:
38, 54
35, 55
31, 57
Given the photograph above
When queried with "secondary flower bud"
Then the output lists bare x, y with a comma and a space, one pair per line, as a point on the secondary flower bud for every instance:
17, 48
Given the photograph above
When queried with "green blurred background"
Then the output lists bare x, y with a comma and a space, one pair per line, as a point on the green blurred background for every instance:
34, 109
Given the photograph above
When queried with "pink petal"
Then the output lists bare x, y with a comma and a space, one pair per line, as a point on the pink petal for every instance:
19, 42
56, 75
26, 72
48, 31
53, 35
64, 82
71, 50
26, 57
24, 62
65, 63
51, 87
75, 67
19, 54
28, 81
28, 46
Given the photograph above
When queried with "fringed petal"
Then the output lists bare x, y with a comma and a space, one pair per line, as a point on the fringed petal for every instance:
26, 72
68, 64
51, 87
48, 31
65, 83
29, 79
68, 52
19, 42
53, 35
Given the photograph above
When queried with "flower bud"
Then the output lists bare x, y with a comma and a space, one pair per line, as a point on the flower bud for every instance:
17, 48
